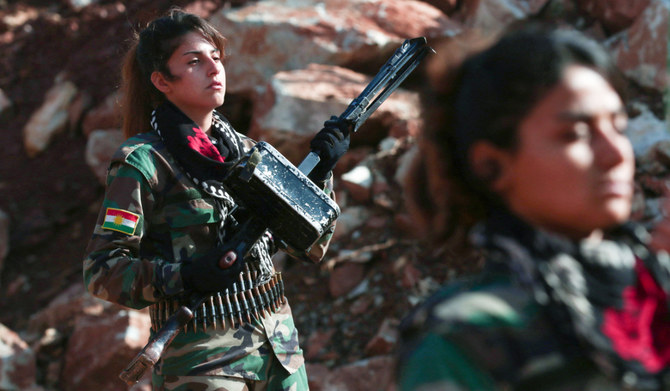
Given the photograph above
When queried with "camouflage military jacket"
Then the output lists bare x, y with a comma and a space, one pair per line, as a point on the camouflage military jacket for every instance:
499, 330
488, 334
153, 218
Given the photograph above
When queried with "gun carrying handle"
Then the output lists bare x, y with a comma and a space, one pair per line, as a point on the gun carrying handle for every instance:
152, 351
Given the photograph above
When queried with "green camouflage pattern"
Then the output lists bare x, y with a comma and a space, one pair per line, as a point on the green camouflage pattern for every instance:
177, 222
257, 351
486, 333
274, 377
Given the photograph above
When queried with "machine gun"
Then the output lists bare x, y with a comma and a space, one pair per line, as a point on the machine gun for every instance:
281, 198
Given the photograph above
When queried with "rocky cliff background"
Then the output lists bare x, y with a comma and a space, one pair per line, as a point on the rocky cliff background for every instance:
290, 65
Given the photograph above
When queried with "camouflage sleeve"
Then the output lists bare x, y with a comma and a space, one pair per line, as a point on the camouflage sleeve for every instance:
435, 364
113, 268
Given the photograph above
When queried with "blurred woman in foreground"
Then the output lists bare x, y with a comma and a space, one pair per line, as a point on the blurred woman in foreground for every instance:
526, 159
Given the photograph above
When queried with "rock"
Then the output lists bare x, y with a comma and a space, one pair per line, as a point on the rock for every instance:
19, 284
405, 225
653, 185
410, 276
65, 309
358, 182
404, 165
385, 340
378, 222
646, 130
492, 16
659, 153
641, 51
100, 147
615, 15
296, 103
49, 349
100, 347
345, 277
17, 363
376, 373
446, 6
381, 192
50, 119
351, 159
350, 218
271, 36
317, 343
316, 375
107, 115
80, 104
361, 305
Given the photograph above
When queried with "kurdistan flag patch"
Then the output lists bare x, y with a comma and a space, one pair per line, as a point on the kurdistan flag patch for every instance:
120, 220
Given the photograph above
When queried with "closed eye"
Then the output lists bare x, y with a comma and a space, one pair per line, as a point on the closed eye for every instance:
620, 122
576, 131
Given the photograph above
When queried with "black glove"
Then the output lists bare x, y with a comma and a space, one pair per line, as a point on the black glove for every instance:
330, 144
206, 274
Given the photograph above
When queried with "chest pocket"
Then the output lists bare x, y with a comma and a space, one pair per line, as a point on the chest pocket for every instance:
192, 221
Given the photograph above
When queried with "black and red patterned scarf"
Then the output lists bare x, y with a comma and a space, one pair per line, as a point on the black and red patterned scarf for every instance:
611, 295
205, 160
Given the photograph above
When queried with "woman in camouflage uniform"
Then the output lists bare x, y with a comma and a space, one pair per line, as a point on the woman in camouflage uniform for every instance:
165, 217
526, 153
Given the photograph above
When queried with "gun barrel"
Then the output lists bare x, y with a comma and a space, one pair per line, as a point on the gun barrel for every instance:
396, 69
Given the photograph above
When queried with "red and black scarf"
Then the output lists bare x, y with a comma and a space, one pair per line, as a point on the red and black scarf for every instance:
611, 296
205, 159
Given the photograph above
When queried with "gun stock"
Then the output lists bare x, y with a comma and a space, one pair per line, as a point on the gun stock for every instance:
152, 352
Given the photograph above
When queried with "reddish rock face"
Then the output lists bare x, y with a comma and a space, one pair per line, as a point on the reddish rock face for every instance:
641, 51
271, 36
295, 104
17, 362
614, 15
101, 346
345, 277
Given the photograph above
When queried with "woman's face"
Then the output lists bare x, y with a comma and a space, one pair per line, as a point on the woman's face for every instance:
572, 171
199, 83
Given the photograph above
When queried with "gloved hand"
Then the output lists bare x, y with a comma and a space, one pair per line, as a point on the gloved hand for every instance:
213, 272
330, 144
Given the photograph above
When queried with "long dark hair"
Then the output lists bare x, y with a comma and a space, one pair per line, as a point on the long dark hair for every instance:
484, 99
149, 52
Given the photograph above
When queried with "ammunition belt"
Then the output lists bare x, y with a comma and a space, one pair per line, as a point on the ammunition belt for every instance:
233, 307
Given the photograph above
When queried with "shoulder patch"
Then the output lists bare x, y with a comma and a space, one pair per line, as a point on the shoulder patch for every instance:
120, 220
